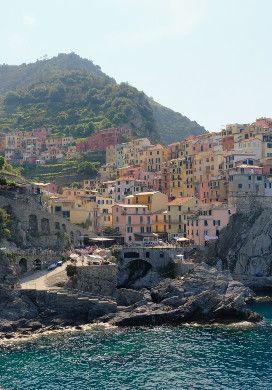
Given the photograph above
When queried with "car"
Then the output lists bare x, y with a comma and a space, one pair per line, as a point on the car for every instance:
59, 263
52, 266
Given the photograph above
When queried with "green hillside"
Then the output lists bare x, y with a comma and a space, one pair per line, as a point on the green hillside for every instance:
72, 96
172, 126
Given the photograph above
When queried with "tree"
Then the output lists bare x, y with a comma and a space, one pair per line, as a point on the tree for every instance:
87, 168
2, 162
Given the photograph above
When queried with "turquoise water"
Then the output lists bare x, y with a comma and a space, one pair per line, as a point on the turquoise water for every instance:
160, 358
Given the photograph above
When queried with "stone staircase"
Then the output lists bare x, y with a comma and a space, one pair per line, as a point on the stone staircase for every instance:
71, 304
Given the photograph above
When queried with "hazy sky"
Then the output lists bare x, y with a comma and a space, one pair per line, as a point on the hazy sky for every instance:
208, 59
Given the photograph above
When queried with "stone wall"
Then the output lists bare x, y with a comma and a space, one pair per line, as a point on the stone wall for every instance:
247, 204
33, 259
97, 279
34, 224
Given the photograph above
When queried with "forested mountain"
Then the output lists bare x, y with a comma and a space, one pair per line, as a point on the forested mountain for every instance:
72, 96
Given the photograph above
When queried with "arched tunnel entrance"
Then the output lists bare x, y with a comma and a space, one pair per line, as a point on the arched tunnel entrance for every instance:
134, 271
23, 266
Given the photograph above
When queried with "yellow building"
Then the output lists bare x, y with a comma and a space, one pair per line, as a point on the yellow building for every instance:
159, 221
60, 206
154, 200
207, 166
133, 151
155, 156
178, 211
181, 177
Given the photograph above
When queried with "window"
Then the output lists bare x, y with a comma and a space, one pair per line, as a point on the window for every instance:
240, 185
129, 220
205, 222
142, 229
259, 178
147, 255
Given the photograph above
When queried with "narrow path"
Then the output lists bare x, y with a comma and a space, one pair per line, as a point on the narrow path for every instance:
44, 280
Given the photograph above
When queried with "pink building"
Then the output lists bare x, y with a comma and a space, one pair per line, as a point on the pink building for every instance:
39, 188
228, 143
204, 191
41, 134
207, 224
133, 221
102, 139
264, 123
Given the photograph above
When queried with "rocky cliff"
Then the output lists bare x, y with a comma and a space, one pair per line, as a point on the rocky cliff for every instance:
245, 248
13, 305
204, 294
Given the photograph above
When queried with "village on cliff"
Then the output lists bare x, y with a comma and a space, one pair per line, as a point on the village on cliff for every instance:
147, 231
185, 191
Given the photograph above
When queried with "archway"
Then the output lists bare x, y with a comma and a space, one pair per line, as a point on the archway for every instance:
23, 266
135, 270
37, 264
72, 237
45, 226
33, 224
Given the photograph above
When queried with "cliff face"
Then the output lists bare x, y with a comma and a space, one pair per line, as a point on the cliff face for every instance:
245, 248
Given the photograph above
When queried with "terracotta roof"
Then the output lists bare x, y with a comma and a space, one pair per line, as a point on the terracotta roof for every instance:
180, 201
157, 146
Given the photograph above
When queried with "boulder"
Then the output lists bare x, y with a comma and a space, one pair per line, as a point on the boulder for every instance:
205, 295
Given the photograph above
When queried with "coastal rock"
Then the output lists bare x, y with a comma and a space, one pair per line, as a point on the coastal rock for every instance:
204, 295
245, 248
127, 297
13, 305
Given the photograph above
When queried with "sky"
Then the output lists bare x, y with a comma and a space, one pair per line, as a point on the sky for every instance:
210, 60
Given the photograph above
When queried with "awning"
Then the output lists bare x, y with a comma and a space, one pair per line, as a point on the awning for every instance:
143, 235
101, 239
210, 238
182, 239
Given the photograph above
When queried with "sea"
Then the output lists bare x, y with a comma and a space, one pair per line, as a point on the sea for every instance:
237, 356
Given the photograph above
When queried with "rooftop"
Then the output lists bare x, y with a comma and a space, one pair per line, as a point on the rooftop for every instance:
180, 201
130, 205
147, 193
